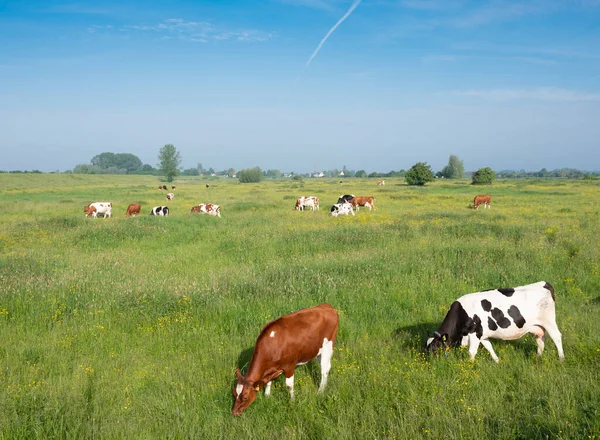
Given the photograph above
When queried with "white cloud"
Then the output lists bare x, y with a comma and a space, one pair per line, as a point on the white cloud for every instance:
537, 94
193, 31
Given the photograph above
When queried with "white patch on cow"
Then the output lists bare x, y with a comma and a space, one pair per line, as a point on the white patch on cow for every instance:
429, 341
289, 383
325, 353
268, 389
272, 335
239, 389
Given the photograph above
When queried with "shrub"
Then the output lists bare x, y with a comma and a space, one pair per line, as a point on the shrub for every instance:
483, 176
419, 174
250, 175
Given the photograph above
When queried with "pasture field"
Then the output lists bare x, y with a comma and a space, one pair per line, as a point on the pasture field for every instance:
132, 327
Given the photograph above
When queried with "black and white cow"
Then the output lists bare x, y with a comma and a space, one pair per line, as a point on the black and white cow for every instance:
500, 313
160, 210
345, 198
341, 208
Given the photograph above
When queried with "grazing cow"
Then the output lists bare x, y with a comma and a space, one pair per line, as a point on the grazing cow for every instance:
133, 210
482, 199
311, 202
160, 210
504, 313
160, 187
291, 340
345, 198
170, 196
342, 208
164, 187
173, 187
207, 208
366, 201
207, 185
93, 209
381, 182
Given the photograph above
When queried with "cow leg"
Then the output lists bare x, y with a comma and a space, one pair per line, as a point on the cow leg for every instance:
556, 337
289, 383
473, 345
538, 332
325, 360
488, 345
352, 211
268, 389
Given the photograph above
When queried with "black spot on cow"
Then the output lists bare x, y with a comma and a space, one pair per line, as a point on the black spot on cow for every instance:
478, 327
502, 320
549, 287
515, 314
334, 208
486, 305
508, 291
492, 324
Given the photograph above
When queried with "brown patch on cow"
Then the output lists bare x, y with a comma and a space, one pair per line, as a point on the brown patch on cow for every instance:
482, 199
133, 209
362, 201
90, 210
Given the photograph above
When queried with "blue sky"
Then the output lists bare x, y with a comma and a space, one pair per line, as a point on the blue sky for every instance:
502, 83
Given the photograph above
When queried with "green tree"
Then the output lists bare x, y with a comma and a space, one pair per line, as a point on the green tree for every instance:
419, 174
169, 161
455, 168
250, 175
361, 173
483, 176
127, 161
103, 160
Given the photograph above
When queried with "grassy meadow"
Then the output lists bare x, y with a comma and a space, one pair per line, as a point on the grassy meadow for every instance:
132, 327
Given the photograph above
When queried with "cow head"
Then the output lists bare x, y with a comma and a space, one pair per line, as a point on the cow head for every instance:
244, 393
436, 341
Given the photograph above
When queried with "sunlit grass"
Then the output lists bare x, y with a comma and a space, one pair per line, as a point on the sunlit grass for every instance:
132, 327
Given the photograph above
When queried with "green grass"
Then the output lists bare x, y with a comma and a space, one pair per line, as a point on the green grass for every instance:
132, 327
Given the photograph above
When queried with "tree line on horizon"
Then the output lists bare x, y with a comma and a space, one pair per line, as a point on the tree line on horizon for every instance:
169, 162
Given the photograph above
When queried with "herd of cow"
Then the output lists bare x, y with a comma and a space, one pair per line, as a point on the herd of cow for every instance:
345, 205
297, 338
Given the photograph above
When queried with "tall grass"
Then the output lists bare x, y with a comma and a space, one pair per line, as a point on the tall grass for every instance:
132, 327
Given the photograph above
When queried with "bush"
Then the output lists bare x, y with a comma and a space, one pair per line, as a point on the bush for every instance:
250, 175
483, 176
419, 174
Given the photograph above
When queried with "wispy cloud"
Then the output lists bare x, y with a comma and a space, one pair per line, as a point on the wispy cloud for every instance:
537, 94
335, 26
193, 31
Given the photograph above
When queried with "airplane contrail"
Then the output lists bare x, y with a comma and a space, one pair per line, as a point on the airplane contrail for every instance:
335, 26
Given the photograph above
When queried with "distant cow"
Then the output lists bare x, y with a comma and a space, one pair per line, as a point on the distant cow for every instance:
207, 185
170, 196
133, 209
160, 210
311, 202
366, 201
164, 187
342, 208
208, 208
173, 187
282, 344
381, 182
482, 199
160, 187
345, 198
93, 209
505, 313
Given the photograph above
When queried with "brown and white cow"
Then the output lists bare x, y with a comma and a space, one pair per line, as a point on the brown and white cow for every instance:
93, 209
381, 182
207, 208
170, 196
284, 343
311, 202
482, 199
366, 201
133, 210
